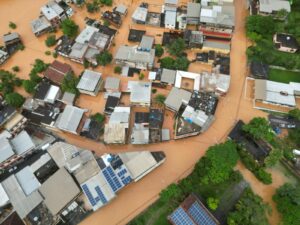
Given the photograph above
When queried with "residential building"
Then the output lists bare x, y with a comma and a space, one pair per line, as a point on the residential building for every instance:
40, 26
53, 13
285, 42
168, 76
132, 57
16, 124
112, 85
59, 191
121, 9
139, 164
193, 212
11, 42
259, 70
77, 52
267, 7
176, 98
194, 39
6, 112
47, 93
68, 98
113, 17
3, 56
56, 71
111, 102
146, 43
193, 13
22, 203
90, 83
115, 132
275, 93
139, 16
71, 120
170, 11
140, 93
196, 77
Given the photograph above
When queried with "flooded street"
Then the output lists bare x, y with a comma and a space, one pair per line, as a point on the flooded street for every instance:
181, 154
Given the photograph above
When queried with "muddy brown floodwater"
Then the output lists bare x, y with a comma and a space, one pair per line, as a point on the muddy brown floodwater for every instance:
181, 154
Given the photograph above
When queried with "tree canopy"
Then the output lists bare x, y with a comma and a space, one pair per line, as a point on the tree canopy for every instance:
14, 99
160, 99
287, 198
259, 25
259, 128
273, 157
106, 2
177, 47
218, 163
29, 86
180, 63
69, 83
8, 81
159, 50
295, 113
51, 40
69, 28
104, 58
250, 210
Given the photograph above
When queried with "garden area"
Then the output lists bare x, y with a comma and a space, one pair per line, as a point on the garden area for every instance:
284, 76
213, 180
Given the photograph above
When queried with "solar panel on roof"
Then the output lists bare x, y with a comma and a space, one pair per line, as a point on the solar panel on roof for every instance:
180, 217
199, 215
112, 178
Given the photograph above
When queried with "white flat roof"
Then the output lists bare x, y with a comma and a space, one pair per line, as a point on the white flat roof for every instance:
194, 76
86, 34
52, 94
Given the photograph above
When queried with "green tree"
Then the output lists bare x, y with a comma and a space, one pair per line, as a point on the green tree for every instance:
167, 62
257, 24
172, 192
106, 23
160, 99
104, 58
181, 63
118, 69
69, 28
213, 203
98, 117
106, 2
29, 86
177, 47
8, 81
220, 160
295, 113
92, 6
263, 176
47, 53
287, 200
281, 14
141, 76
294, 136
250, 210
159, 50
51, 40
39, 66
69, 83
16, 69
259, 128
274, 156
14, 99
12, 25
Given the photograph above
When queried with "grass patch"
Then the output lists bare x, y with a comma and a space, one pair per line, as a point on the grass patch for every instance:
284, 76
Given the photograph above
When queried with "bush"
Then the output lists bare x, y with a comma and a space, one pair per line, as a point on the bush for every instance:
177, 47
104, 58
159, 50
263, 176
141, 76
55, 55
69, 84
14, 99
118, 69
213, 203
29, 86
21, 47
106, 2
92, 7
98, 117
106, 23
16, 69
12, 25
69, 28
160, 99
154, 91
51, 40
47, 52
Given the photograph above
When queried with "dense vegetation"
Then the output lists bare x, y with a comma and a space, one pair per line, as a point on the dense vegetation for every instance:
51, 40
69, 28
159, 50
250, 210
69, 84
259, 128
104, 58
212, 176
260, 30
287, 198
180, 63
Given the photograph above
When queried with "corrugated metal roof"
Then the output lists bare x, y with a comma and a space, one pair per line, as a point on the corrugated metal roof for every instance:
22, 143
5, 149
89, 80
70, 118
27, 180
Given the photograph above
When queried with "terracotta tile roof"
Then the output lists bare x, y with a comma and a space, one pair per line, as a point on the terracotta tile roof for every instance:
56, 71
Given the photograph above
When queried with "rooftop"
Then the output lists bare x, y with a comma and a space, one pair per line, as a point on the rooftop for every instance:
22, 143
89, 80
59, 190
70, 118
6, 150
140, 92
267, 6
56, 71
287, 40
40, 24
140, 14
176, 98
193, 9
112, 83
130, 53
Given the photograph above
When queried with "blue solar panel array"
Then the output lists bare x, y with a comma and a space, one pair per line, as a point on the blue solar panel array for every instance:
180, 217
112, 179
124, 176
98, 198
200, 215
